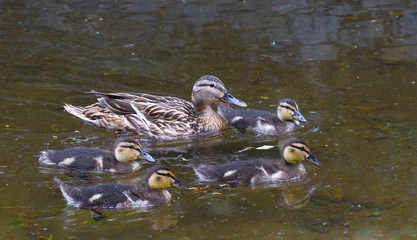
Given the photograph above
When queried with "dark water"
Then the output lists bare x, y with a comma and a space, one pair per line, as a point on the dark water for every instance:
350, 65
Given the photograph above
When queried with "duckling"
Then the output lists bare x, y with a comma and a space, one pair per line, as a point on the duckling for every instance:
120, 160
294, 151
111, 195
284, 121
159, 116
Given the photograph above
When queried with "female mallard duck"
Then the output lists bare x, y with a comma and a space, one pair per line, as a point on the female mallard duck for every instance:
284, 121
159, 116
120, 160
110, 195
294, 151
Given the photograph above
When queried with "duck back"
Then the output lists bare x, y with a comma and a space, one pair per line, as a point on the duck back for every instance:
78, 158
110, 196
250, 171
254, 120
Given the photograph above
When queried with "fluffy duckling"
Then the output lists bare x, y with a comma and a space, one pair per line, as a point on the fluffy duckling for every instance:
284, 121
120, 160
110, 195
159, 116
294, 151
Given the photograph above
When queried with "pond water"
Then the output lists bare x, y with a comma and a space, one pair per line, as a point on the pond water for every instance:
350, 65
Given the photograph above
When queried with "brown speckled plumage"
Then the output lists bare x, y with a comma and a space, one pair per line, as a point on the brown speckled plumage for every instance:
159, 116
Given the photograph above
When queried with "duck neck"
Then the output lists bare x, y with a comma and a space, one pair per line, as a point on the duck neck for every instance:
208, 119
204, 110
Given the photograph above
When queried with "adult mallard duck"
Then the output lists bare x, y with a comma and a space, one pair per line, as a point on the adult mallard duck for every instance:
293, 152
285, 120
110, 195
120, 159
159, 116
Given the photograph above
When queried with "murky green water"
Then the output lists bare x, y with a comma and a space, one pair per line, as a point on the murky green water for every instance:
350, 65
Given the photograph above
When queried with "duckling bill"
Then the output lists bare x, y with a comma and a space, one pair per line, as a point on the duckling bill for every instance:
110, 195
294, 151
159, 116
285, 120
120, 159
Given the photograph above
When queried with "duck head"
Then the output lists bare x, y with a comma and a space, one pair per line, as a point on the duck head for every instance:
210, 89
160, 177
295, 150
288, 111
127, 149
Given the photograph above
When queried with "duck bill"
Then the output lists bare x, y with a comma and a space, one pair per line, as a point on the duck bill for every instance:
311, 159
228, 98
297, 116
146, 156
179, 184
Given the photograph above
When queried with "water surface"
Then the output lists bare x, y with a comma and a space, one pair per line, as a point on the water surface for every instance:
349, 65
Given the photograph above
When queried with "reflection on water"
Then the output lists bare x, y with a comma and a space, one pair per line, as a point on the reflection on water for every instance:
349, 65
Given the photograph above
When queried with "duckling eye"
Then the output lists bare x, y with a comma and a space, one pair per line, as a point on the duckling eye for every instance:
287, 107
131, 147
211, 85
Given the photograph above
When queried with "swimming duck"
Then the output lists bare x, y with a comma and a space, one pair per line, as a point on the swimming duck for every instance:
159, 116
294, 151
284, 121
120, 159
111, 195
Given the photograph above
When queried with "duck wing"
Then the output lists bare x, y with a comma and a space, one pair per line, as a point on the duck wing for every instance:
103, 195
151, 106
238, 171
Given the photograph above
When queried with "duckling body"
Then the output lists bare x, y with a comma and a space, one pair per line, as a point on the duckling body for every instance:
120, 160
250, 171
159, 116
284, 121
255, 171
123, 196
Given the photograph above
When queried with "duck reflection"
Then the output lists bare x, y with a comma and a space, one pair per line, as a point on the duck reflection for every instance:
159, 218
296, 197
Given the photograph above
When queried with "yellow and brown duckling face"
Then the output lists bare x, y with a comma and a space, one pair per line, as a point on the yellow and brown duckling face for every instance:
209, 89
161, 177
127, 149
288, 111
295, 150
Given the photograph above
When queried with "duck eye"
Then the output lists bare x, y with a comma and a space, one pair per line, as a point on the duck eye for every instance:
211, 85
131, 147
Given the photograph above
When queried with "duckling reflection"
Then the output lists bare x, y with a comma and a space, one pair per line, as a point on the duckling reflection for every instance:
296, 197
286, 119
159, 116
110, 195
120, 159
294, 152
159, 218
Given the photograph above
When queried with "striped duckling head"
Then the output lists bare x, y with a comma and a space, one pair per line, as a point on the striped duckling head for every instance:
294, 150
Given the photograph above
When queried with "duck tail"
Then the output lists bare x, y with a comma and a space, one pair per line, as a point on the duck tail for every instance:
78, 112
66, 191
58, 181
44, 158
204, 172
